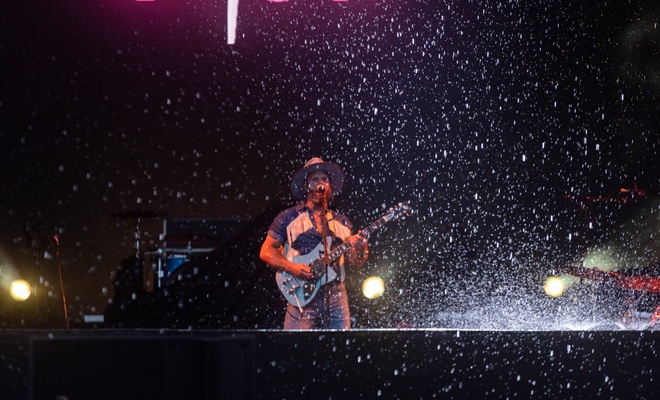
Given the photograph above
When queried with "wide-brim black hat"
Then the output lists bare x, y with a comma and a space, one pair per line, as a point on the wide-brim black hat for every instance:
299, 178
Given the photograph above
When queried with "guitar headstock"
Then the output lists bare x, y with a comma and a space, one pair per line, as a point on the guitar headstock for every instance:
400, 210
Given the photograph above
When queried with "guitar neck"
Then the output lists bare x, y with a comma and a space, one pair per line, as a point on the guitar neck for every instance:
365, 233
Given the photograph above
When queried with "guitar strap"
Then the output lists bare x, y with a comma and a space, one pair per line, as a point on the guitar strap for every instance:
327, 240
327, 220
324, 236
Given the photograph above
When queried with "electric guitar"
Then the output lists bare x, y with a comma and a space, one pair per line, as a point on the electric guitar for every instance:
300, 292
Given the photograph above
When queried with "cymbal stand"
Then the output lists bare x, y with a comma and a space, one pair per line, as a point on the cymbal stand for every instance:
137, 228
160, 273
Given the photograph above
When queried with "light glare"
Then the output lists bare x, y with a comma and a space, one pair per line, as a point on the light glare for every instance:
373, 287
20, 290
554, 286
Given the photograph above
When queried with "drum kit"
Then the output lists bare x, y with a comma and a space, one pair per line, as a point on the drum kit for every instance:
638, 285
164, 260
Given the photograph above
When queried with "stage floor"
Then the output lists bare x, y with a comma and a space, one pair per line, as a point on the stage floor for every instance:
367, 364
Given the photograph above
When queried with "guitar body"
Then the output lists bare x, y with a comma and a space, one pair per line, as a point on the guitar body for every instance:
300, 292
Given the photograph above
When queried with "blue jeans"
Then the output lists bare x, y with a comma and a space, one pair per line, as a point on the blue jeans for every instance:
314, 313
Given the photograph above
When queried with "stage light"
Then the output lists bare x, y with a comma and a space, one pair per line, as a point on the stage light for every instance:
554, 286
373, 287
20, 290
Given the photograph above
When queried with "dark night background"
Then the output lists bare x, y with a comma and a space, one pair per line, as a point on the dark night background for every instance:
495, 119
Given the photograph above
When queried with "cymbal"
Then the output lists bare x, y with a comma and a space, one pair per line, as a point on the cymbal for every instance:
135, 214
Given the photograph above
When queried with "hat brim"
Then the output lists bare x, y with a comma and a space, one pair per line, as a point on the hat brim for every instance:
299, 178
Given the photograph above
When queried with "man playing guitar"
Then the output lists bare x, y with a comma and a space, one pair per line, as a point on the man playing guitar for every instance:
309, 245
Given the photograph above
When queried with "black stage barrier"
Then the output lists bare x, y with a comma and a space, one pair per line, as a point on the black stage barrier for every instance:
358, 364
142, 368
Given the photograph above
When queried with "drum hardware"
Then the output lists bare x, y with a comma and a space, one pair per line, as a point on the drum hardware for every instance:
156, 263
586, 203
137, 215
639, 284
180, 241
165, 261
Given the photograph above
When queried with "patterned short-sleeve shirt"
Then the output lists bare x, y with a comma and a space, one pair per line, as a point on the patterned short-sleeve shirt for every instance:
295, 227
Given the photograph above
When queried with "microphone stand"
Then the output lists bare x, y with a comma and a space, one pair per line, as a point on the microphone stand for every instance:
56, 243
326, 260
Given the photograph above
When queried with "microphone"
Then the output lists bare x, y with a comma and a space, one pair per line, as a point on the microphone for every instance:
55, 241
320, 189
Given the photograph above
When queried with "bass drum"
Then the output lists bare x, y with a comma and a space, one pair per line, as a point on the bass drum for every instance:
174, 261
